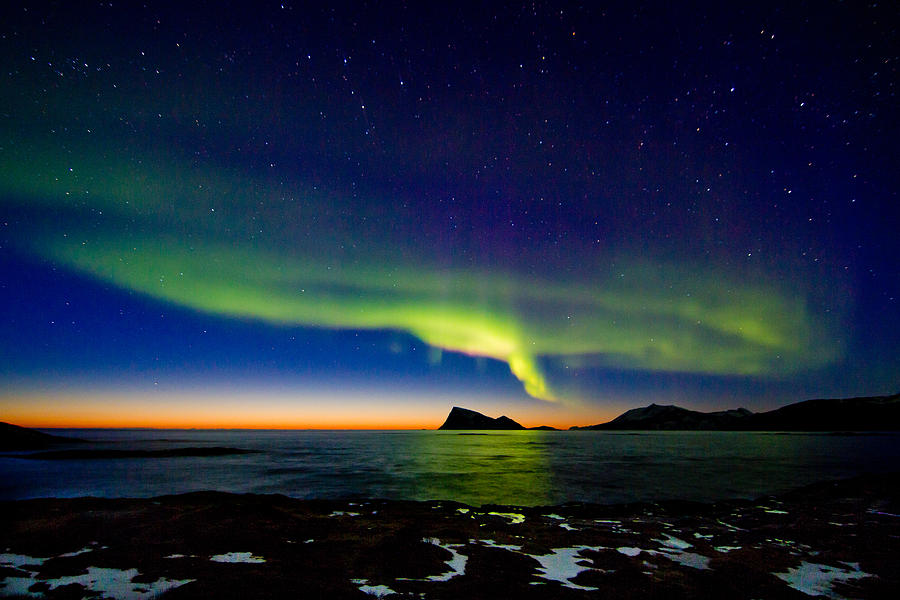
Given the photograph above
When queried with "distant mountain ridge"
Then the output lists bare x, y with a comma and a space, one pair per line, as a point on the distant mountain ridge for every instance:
656, 416
869, 413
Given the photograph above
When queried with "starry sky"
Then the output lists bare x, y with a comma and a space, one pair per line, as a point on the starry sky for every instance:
359, 215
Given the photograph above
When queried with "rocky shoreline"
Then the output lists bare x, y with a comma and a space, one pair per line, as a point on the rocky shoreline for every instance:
836, 539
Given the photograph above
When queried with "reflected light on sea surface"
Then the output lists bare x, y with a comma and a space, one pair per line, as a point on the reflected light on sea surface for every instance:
505, 467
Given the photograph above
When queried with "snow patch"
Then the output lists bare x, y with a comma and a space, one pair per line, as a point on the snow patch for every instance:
674, 550
562, 565
20, 560
689, 559
673, 542
816, 580
76, 553
237, 557
108, 583
379, 591
457, 562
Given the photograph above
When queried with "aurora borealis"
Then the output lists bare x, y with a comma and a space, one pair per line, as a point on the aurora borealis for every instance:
512, 208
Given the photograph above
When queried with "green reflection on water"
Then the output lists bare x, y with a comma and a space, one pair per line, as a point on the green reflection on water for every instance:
503, 467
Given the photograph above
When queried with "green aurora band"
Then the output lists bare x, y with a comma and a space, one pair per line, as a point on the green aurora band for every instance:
249, 247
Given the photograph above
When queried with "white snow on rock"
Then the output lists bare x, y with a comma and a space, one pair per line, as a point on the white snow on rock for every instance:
108, 583
457, 562
237, 557
76, 553
19, 560
816, 580
673, 542
688, 559
379, 591
674, 550
562, 565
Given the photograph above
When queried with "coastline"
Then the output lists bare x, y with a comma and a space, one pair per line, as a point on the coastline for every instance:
838, 538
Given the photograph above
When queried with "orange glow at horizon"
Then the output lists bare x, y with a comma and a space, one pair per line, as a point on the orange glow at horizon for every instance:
259, 411
187, 412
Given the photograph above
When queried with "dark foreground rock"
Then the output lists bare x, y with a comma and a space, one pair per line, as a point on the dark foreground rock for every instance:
837, 539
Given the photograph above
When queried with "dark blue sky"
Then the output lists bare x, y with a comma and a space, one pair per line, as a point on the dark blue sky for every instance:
550, 210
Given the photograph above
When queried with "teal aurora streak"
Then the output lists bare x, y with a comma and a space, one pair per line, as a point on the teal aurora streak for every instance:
245, 246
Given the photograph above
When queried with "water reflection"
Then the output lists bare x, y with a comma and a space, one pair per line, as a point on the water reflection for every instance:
498, 467
515, 467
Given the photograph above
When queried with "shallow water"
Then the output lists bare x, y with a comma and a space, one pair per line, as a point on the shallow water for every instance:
521, 467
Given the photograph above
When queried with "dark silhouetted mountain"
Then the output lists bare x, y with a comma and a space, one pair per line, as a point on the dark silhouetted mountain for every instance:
463, 418
13, 437
871, 413
876, 413
543, 428
674, 418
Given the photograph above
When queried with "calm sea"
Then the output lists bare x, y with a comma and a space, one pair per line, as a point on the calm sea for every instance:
522, 468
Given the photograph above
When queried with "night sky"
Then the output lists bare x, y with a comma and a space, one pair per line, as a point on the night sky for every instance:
275, 215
